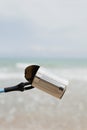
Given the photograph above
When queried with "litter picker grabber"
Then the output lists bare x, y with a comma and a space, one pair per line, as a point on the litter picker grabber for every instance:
20, 87
40, 78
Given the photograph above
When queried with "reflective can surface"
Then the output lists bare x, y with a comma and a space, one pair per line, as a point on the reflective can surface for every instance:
44, 80
49, 83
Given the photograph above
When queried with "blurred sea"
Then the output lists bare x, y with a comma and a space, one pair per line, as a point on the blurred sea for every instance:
37, 110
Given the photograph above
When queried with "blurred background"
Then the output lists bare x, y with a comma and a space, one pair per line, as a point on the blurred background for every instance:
53, 34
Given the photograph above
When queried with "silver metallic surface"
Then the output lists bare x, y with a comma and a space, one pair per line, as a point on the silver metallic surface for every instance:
49, 83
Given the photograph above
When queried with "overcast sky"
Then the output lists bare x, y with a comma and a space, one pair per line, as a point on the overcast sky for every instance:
43, 28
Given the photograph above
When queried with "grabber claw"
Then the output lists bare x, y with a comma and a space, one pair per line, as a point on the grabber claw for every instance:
20, 87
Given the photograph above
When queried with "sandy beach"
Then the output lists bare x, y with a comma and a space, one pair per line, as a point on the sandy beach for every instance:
37, 110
